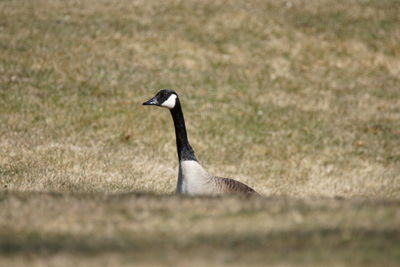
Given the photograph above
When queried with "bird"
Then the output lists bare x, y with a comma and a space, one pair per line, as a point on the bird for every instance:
193, 179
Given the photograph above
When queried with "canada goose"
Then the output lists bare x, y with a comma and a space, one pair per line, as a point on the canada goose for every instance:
193, 179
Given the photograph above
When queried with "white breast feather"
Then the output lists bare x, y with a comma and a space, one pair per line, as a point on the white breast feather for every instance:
194, 178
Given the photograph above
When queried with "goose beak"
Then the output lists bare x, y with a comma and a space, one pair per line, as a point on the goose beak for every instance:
152, 101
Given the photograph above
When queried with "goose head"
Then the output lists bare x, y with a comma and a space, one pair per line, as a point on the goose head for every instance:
164, 98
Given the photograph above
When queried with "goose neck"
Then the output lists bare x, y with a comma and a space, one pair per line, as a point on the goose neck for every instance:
185, 151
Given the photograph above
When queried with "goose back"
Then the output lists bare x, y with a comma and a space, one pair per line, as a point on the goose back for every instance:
227, 185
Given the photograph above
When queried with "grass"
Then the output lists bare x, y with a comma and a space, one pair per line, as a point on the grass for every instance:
300, 100
131, 228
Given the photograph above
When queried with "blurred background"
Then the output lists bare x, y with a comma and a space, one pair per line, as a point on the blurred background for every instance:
298, 99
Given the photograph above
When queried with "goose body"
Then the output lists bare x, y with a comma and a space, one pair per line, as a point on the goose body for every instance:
193, 179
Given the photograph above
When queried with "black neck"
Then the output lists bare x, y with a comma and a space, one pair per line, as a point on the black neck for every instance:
185, 151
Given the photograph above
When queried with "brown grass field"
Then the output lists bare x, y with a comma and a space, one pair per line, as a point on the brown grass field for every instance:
299, 99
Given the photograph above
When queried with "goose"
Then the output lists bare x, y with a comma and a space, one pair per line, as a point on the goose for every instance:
193, 179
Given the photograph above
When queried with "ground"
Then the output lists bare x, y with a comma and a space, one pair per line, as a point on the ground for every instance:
298, 99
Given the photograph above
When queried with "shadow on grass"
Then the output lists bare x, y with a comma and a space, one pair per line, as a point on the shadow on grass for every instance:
282, 241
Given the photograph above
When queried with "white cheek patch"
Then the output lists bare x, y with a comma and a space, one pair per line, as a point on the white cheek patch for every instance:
170, 102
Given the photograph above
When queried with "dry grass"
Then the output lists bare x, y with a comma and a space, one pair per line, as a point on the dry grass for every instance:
152, 229
295, 98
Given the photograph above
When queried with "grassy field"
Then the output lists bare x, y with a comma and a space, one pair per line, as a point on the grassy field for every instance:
298, 99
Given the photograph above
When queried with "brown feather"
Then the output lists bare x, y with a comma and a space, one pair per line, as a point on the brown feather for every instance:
228, 185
